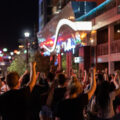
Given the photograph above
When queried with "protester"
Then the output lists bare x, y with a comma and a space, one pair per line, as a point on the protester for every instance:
38, 95
102, 103
59, 92
14, 104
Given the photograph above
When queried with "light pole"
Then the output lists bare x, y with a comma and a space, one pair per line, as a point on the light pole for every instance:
27, 34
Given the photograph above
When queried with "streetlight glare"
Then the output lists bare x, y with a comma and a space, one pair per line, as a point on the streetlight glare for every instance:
11, 53
1, 55
5, 50
18, 53
9, 57
25, 51
27, 34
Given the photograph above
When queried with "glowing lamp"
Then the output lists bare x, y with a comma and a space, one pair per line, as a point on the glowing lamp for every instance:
25, 51
18, 53
11, 53
1, 55
15, 51
27, 34
118, 31
21, 46
5, 49
92, 41
9, 57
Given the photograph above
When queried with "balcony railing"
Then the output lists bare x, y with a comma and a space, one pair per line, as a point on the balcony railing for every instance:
102, 49
115, 46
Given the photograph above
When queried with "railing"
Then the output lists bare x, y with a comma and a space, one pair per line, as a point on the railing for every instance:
102, 49
115, 46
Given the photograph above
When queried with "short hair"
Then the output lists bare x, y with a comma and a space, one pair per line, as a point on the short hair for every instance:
12, 79
61, 79
50, 76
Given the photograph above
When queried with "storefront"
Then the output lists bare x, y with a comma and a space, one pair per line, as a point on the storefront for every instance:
72, 45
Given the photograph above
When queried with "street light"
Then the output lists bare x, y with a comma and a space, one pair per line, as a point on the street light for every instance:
5, 49
27, 34
12, 53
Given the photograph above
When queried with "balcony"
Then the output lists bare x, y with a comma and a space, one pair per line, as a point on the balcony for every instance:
102, 49
115, 46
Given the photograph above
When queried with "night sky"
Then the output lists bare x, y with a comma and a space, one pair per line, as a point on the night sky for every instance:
16, 16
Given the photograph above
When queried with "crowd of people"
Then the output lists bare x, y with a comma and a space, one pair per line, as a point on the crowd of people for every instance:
55, 96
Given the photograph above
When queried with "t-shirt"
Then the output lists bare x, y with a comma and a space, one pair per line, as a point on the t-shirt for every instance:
109, 112
72, 109
14, 104
37, 100
57, 97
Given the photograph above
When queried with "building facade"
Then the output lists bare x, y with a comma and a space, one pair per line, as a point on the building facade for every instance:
107, 26
100, 47
45, 13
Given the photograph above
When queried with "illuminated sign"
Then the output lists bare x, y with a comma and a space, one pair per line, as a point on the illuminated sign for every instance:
78, 59
70, 43
76, 26
67, 46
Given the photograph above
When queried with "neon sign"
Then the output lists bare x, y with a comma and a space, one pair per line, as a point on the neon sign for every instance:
66, 46
71, 43
74, 25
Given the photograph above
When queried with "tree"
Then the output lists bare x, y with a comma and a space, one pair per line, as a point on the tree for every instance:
18, 64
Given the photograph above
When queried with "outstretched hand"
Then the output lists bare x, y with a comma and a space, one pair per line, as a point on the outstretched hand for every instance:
33, 64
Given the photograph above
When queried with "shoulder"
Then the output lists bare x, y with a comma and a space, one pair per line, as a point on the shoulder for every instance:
83, 96
25, 90
83, 99
112, 95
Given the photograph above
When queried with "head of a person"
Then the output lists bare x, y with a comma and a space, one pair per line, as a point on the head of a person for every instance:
106, 70
52, 69
61, 79
99, 79
13, 80
75, 87
25, 80
42, 75
50, 77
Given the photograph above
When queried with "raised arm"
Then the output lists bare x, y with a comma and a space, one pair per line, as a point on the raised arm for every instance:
32, 82
115, 81
85, 77
117, 91
22, 76
93, 83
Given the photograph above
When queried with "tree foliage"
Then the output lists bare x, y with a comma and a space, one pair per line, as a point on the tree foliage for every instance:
18, 64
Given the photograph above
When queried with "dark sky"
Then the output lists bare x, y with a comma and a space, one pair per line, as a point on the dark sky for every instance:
16, 16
